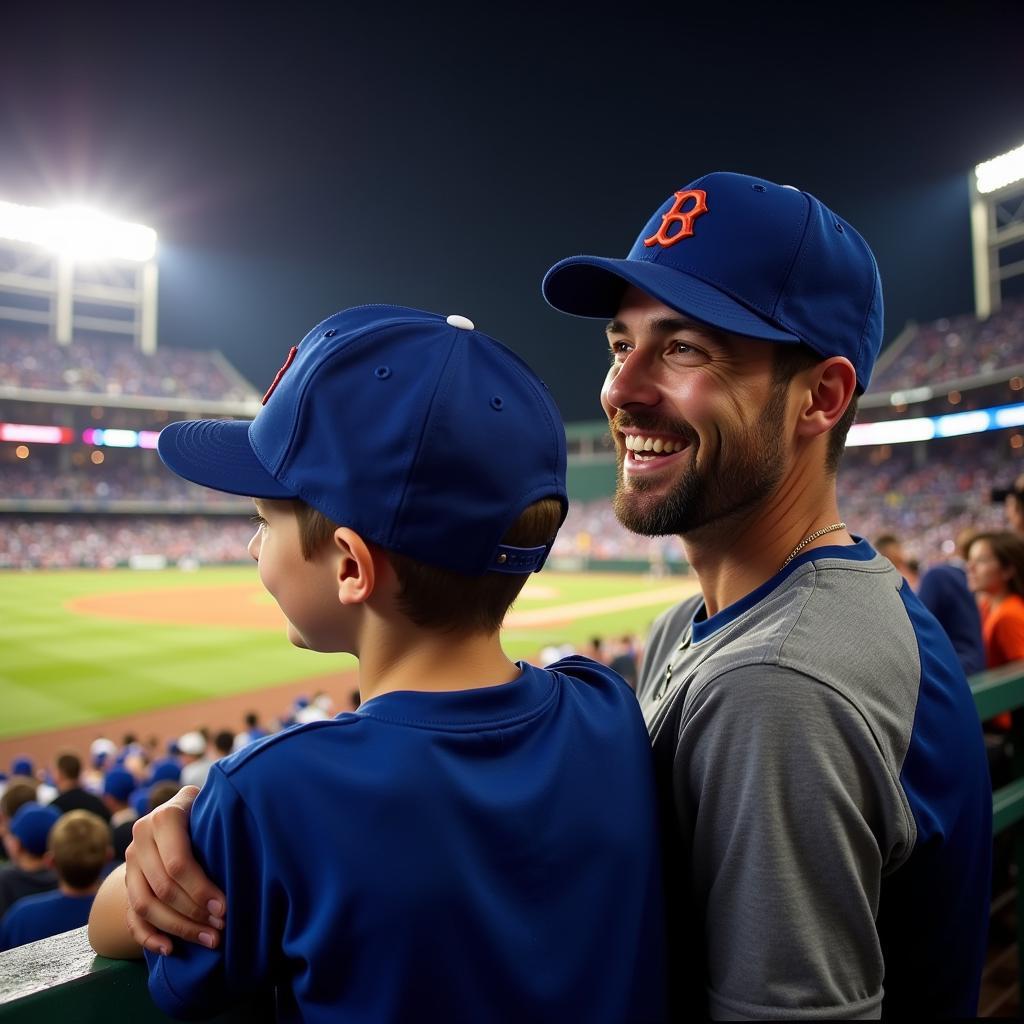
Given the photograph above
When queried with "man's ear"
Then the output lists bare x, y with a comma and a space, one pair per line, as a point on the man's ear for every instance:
831, 386
356, 571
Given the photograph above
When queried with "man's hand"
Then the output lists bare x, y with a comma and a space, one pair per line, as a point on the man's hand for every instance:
168, 894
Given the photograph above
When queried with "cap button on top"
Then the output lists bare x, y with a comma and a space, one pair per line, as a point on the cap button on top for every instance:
462, 322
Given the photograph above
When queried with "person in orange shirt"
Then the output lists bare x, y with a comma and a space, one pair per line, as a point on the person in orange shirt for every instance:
995, 573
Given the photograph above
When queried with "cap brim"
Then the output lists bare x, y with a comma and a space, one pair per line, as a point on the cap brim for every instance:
592, 286
217, 454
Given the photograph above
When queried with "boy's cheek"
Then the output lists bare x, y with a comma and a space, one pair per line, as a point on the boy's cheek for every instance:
296, 638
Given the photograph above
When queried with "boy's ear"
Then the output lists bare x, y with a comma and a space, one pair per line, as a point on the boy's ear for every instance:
831, 386
48, 859
356, 571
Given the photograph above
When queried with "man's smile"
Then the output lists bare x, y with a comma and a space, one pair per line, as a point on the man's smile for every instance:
648, 452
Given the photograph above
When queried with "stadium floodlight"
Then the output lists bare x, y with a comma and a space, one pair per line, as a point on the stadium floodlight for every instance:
1000, 171
77, 232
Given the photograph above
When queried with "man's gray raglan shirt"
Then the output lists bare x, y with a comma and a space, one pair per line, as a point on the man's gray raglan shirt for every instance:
826, 799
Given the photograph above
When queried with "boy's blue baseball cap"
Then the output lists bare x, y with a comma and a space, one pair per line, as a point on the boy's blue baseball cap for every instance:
417, 431
749, 257
31, 824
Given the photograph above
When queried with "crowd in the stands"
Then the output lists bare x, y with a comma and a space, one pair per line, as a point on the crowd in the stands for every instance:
66, 822
925, 492
91, 486
104, 542
956, 348
100, 367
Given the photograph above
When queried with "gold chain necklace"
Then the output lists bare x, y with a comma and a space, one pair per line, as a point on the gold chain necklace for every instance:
666, 682
807, 540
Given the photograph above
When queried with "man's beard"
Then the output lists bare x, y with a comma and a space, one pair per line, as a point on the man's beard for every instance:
744, 471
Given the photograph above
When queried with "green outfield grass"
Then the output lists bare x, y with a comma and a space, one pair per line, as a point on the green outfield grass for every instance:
60, 668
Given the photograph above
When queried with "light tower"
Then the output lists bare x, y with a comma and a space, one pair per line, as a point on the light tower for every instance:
75, 270
997, 226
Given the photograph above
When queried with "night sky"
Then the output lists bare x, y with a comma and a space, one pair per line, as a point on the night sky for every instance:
295, 161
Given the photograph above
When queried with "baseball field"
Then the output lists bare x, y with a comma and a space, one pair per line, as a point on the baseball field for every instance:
81, 649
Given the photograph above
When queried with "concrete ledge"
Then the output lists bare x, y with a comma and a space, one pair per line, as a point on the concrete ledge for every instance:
61, 980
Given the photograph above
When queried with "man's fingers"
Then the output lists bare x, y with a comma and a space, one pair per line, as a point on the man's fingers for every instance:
154, 932
149, 885
147, 937
171, 836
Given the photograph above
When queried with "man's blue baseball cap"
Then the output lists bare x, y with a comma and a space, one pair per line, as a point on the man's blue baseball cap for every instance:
417, 431
31, 824
746, 256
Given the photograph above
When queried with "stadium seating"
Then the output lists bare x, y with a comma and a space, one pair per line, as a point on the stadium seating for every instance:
957, 348
100, 367
925, 491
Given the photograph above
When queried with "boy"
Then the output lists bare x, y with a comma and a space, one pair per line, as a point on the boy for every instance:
77, 850
25, 842
477, 842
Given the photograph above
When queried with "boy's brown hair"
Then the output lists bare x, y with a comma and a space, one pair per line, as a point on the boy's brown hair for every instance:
80, 845
440, 599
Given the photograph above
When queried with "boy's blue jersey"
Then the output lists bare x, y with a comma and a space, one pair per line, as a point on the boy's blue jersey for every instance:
476, 855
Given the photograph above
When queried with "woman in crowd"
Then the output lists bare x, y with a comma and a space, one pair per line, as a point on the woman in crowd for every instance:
995, 573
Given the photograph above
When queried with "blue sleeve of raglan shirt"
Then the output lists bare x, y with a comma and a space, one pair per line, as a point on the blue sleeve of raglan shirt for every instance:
195, 982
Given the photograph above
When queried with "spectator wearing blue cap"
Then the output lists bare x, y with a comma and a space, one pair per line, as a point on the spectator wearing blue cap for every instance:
77, 849
118, 787
166, 769
479, 839
25, 841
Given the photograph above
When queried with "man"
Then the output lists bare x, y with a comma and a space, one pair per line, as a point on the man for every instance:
890, 546
71, 796
825, 791
825, 799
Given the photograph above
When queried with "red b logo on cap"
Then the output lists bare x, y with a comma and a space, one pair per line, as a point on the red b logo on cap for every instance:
675, 216
280, 373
